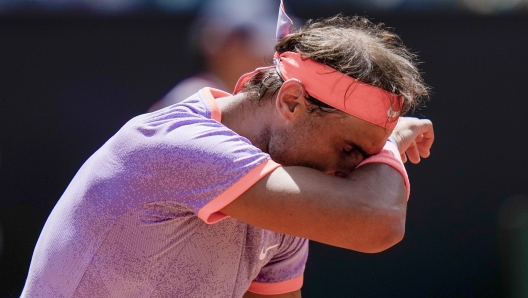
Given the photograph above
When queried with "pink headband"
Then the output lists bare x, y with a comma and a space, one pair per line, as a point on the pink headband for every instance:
340, 91
332, 87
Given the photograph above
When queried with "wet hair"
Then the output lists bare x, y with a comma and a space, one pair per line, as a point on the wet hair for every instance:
356, 47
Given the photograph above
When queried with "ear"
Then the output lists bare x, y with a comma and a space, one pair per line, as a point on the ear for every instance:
290, 99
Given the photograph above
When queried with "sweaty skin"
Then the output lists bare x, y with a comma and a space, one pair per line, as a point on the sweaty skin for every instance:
362, 213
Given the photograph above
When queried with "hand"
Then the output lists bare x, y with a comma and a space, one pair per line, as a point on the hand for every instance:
414, 137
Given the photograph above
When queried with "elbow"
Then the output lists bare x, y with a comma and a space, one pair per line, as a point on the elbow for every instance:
388, 236
384, 234
381, 225
388, 227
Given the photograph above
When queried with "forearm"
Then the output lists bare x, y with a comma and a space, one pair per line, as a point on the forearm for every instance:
384, 196
364, 212
367, 213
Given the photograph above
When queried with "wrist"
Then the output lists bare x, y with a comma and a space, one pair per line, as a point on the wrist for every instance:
393, 141
390, 156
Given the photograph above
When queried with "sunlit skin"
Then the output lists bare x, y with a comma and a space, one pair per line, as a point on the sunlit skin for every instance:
301, 198
334, 143
331, 142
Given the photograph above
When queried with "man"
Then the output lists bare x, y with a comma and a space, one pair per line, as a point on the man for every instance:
231, 37
216, 196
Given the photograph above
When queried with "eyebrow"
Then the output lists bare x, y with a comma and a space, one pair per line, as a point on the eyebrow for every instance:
358, 148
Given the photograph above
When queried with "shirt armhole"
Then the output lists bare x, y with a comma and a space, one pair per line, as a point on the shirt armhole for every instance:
209, 212
276, 288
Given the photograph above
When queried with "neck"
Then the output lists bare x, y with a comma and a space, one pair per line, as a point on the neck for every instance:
247, 118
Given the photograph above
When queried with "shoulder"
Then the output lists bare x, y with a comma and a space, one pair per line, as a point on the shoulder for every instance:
183, 133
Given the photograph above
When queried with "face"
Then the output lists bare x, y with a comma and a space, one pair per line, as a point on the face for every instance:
334, 143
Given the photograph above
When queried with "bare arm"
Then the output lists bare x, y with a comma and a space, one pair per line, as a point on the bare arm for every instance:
363, 212
296, 294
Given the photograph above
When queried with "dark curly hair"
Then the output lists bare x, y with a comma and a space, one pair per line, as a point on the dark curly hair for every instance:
356, 47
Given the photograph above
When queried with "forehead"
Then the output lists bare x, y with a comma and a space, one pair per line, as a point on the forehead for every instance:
357, 132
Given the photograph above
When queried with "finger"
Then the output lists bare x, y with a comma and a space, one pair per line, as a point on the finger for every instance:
403, 157
412, 153
424, 149
424, 153
427, 135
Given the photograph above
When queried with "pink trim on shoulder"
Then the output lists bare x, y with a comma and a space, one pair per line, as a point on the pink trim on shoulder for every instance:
211, 94
210, 214
276, 288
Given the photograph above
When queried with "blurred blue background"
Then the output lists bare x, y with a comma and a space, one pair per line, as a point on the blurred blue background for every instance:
73, 72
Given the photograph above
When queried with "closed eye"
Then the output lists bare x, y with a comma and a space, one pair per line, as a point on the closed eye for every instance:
348, 151
351, 148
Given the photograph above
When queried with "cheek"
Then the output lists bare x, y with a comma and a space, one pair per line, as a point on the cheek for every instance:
283, 148
319, 148
308, 144
322, 155
296, 152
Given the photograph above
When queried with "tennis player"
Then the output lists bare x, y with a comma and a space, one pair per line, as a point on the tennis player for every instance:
218, 195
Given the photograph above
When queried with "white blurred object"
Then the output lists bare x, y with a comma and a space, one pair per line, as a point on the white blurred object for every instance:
218, 19
233, 37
